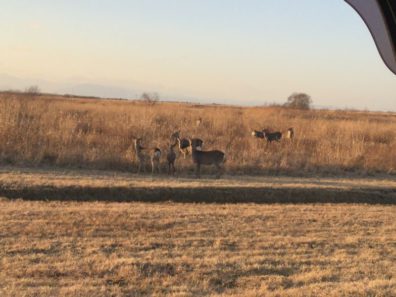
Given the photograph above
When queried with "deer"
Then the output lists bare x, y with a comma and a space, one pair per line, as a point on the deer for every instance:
140, 155
290, 133
171, 158
175, 135
155, 160
198, 143
198, 122
271, 136
199, 157
185, 143
257, 134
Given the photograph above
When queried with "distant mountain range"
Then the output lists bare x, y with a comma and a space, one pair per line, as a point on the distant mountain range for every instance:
83, 88
8, 82
79, 87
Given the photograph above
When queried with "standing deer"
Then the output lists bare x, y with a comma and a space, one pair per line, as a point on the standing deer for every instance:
290, 133
200, 157
185, 143
140, 156
171, 158
155, 160
199, 122
271, 136
257, 134
198, 143
175, 135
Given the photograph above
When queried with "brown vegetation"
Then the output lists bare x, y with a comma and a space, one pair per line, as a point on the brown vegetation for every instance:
136, 249
97, 134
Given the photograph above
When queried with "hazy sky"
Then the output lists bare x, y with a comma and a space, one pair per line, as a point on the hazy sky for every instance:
240, 52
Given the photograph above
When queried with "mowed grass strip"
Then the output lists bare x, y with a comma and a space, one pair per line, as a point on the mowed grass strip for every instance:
167, 249
88, 185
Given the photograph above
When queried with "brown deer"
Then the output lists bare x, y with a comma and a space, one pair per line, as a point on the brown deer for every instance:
290, 133
198, 122
140, 155
198, 143
184, 146
257, 134
155, 160
185, 143
175, 135
272, 136
200, 157
171, 158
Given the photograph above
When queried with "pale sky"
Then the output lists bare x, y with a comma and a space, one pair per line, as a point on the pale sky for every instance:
246, 52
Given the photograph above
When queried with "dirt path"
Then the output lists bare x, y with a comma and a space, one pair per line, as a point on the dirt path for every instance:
58, 184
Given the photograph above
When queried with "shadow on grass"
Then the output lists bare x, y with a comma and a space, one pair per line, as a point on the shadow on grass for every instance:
202, 194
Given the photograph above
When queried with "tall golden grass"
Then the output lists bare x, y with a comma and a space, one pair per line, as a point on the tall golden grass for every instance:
93, 133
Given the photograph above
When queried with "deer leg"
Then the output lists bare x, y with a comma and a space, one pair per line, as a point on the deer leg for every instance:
142, 166
171, 165
198, 171
218, 170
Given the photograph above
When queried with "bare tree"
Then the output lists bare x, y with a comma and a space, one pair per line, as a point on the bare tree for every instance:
150, 98
299, 101
32, 91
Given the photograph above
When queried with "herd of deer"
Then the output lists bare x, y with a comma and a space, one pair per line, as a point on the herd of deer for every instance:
271, 136
194, 145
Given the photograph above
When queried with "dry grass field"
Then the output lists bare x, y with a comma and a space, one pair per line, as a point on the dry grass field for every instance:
96, 134
84, 239
166, 249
